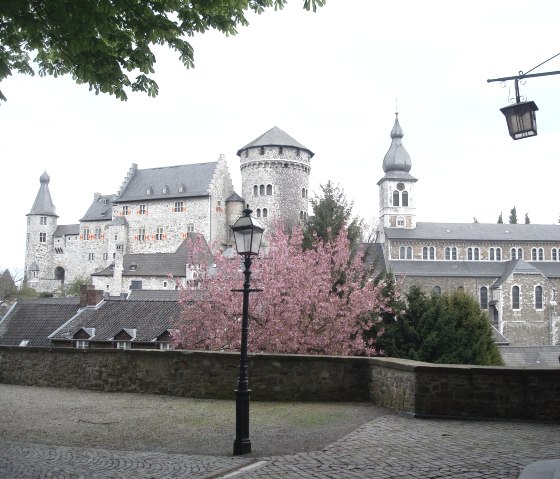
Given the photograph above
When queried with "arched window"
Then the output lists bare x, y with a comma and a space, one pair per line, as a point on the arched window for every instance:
262, 150
409, 252
400, 222
491, 255
261, 190
59, 273
498, 254
538, 298
513, 253
303, 192
269, 190
516, 253
515, 297
258, 212
533, 254
554, 254
301, 215
461, 288
425, 252
402, 252
437, 290
484, 297
396, 198
255, 190
405, 198
265, 212
540, 253
428, 253
476, 254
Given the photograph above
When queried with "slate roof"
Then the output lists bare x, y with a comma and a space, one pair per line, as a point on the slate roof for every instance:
531, 356
487, 269
35, 319
148, 318
373, 256
235, 197
517, 266
275, 137
153, 295
43, 204
520, 233
499, 338
397, 158
67, 230
101, 209
196, 180
159, 264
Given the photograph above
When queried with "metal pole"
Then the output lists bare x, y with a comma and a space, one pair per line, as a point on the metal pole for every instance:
242, 443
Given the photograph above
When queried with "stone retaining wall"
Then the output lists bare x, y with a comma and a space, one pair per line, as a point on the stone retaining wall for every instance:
420, 389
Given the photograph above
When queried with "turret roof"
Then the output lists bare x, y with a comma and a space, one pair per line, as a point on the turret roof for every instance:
43, 204
397, 158
275, 137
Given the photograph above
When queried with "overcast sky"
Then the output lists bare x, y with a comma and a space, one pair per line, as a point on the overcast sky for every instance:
332, 80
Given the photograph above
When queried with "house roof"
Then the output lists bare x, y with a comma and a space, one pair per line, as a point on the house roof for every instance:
181, 181
275, 137
517, 266
66, 230
161, 264
148, 318
35, 319
521, 233
153, 295
101, 209
531, 356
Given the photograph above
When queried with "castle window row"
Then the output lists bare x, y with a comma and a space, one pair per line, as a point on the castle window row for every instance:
474, 253
303, 215
262, 190
262, 213
88, 235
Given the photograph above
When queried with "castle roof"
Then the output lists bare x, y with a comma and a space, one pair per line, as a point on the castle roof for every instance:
101, 209
275, 137
180, 181
43, 204
66, 230
477, 232
397, 160
234, 197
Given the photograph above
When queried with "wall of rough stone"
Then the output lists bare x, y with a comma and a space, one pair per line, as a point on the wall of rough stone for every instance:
420, 389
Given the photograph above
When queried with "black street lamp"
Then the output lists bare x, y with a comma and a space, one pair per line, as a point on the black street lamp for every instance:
247, 232
520, 116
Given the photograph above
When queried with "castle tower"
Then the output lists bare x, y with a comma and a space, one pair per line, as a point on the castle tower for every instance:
275, 177
396, 188
41, 225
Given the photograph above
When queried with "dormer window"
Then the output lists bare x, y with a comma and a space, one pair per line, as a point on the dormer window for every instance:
133, 267
182, 188
150, 191
165, 189
262, 150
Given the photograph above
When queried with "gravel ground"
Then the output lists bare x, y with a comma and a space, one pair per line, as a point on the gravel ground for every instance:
142, 422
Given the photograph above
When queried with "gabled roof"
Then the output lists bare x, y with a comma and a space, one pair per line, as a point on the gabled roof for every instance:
235, 197
148, 318
490, 269
101, 209
43, 204
35, 319
161, 264
476, 232
517, 266
153, 295
181, 181
531, 356
275, 137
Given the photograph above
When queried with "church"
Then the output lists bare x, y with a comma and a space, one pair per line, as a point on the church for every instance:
139, 236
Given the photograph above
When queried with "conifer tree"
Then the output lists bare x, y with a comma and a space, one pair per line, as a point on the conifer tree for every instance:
500, 219
527, 220
513, 216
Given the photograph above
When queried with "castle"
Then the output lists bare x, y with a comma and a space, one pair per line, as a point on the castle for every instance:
137, 237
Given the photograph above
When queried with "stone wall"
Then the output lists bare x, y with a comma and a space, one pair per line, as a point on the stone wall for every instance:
419, 389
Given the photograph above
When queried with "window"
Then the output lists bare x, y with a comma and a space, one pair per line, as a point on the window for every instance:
85, 234
143, 210
515, 297
554, 254
179, 207
28, 220
256, 190
190, 228
405, 198
473, 254
516, 253
43, 220
495, 254
159, 233
82, 344
91, 256
105, 256
262, 150
261, 190
165, 346
303, 192
24, 342
400, 222
97, 233
136, 284
405, 252
269, 190
538, 298
484, 297
437, 290
461, 288
280, 150
428, 252
141, 234
125, 210
258, 212
165, 284
301, 215
396, 198
265, 213
42, 237
123, 344
298, 152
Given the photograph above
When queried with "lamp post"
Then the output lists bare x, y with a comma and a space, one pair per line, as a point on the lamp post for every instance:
247, 232
520, 116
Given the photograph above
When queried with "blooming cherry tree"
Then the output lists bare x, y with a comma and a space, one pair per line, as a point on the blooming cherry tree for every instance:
317, 301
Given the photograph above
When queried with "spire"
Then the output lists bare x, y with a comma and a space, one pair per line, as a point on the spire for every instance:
43, 204
397, 158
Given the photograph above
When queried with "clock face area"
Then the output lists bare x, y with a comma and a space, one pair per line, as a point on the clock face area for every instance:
400, 186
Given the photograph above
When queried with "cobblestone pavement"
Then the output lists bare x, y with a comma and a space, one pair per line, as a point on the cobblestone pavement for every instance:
388, 447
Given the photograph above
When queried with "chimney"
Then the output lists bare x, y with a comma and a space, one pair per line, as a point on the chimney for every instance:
89, 296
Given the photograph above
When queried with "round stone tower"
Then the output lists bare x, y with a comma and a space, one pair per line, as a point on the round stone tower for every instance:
275, 177
41, 225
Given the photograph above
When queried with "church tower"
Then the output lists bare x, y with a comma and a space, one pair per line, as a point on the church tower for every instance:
396, 188
275, 177
41, 225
